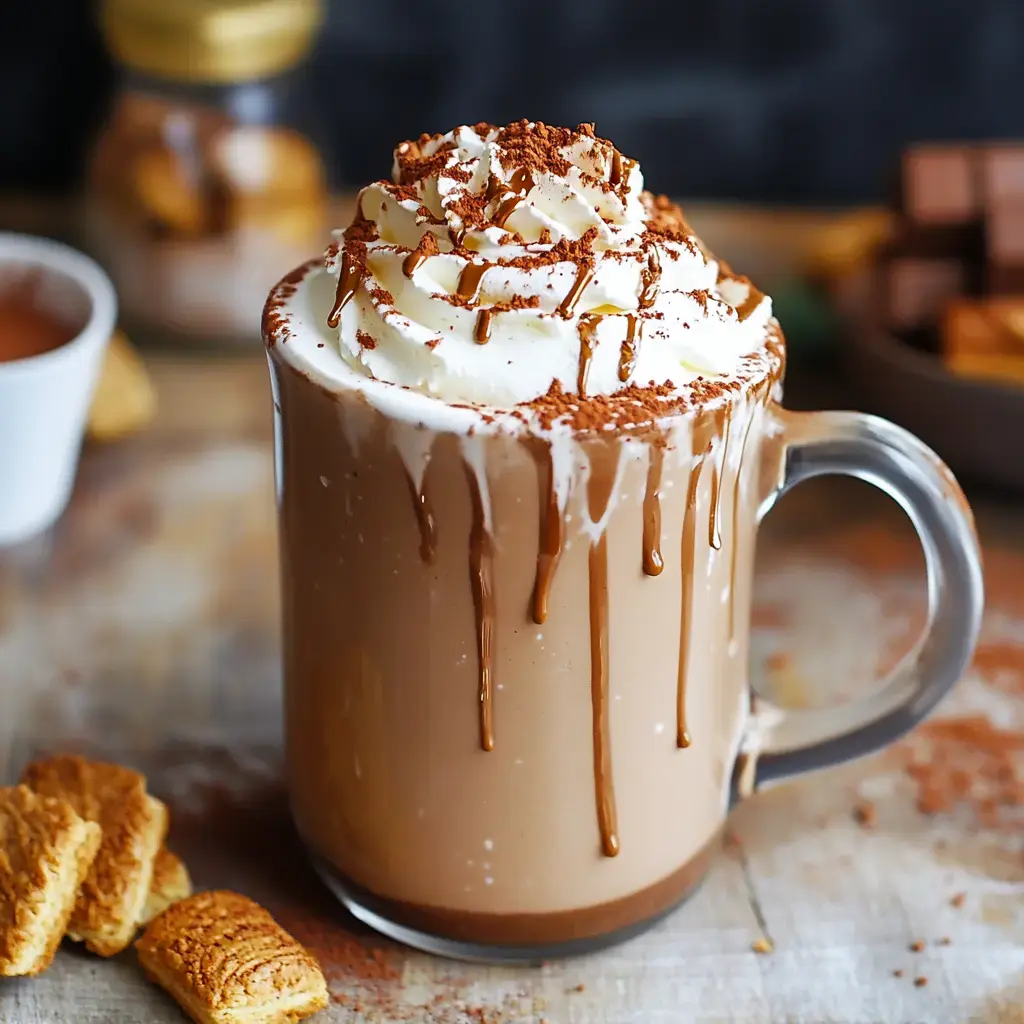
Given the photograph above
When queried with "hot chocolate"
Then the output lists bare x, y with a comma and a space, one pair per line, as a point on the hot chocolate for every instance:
26, 330
520, 438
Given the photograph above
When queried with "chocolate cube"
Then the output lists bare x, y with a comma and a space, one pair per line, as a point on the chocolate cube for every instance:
1002, 175
940, 186
1004, 248
917, 290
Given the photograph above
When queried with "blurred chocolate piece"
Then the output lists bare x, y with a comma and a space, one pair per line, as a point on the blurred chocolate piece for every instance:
940, 185
1002, 175
984, 338
1004, 248
917, 290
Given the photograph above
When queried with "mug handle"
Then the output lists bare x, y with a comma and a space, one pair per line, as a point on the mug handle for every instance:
872, 449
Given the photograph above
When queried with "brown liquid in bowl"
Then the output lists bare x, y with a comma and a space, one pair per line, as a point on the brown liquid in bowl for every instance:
26, 331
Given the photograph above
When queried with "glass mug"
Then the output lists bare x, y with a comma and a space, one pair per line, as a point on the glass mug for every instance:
515, 663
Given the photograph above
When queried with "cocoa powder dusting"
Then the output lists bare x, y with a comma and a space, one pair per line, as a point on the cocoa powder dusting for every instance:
365, 340
536, 146
665, 221
465, 302
413, 167
630, 407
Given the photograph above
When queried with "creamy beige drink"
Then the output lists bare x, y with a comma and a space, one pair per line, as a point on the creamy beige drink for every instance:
520, 427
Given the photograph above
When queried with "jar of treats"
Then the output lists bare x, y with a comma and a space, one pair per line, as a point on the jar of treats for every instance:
206, 184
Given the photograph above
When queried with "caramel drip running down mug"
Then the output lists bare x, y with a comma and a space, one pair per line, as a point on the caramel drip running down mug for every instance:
516, 640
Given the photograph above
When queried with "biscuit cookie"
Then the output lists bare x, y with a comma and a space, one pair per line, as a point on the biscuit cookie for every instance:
113, 896
225, 960
171, 883
46, 851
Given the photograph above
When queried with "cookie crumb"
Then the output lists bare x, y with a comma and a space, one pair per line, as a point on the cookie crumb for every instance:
920, 982
916, 947
898, 973
957, 901
762, 945
865, 814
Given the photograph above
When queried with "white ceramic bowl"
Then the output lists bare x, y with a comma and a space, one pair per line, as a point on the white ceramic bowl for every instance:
44, 399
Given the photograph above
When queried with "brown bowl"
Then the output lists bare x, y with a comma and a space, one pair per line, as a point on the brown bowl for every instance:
972, 424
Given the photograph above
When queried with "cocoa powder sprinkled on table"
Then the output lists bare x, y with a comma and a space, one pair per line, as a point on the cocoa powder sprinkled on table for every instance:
865, 814
1001, 665
967, 761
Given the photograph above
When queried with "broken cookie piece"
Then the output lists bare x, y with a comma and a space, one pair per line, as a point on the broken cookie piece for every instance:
113, 896
171, 883
225, 960
46, 851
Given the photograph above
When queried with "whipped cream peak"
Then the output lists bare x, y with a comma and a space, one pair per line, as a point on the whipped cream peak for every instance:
502, 262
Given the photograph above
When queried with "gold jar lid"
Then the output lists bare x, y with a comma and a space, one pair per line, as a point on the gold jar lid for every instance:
210, 41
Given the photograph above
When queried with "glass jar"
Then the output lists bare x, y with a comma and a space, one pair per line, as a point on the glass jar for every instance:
206, 185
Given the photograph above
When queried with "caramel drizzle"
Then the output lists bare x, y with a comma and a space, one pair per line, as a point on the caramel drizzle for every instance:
424, 510
482, 329
552, 534
481, 571
412, 261
468, 287
615, 174
630, 349
520, 185
687, 560
652, 561
470, 280
587, 331
599, 494
584, 275
348, 281
736, 525
650, 279
718, 470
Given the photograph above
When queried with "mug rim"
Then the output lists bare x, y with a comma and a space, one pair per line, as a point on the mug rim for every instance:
35, 251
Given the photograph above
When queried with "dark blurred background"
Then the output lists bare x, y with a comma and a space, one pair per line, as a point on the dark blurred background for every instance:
805, 101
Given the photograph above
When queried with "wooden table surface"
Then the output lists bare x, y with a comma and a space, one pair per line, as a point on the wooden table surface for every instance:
145, 629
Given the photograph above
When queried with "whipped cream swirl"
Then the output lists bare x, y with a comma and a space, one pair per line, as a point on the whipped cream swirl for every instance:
499, 262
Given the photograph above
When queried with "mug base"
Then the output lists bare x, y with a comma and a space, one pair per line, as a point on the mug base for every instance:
518, 938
